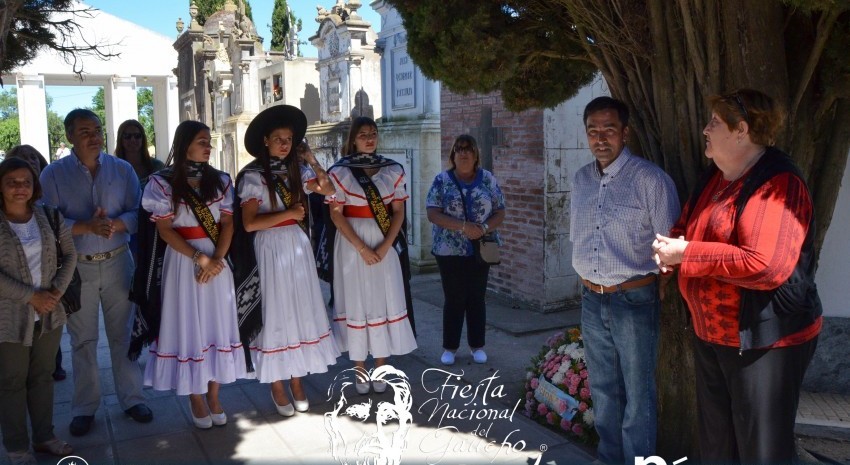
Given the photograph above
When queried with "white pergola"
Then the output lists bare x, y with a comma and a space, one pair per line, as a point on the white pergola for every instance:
146, 60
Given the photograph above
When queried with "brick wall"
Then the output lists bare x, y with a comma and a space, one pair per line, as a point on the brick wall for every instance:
519, 167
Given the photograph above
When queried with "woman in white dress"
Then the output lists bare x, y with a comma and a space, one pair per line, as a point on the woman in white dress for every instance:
296, 337
370, 308
198, 343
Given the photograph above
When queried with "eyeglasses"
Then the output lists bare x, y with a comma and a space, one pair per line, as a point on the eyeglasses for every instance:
128, 136
465, 148
742, 107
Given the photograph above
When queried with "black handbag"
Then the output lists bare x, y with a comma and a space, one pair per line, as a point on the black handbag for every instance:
71, 298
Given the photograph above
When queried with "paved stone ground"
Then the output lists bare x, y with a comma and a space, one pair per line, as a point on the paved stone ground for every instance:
257, 434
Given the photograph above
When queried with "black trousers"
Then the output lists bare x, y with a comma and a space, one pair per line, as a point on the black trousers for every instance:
748, 402
464, 286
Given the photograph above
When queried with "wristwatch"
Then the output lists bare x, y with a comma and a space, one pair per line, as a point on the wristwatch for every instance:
484, 225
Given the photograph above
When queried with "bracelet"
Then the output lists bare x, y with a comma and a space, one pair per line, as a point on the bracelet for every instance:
316, 164
196, 256
485, 227
463, 226
362, 249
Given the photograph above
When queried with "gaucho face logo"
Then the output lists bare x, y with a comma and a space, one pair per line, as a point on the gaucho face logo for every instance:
381, 445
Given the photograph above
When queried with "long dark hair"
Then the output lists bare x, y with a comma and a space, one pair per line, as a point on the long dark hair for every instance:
147, 160
293, 169
13, 164
211, 184
350, 148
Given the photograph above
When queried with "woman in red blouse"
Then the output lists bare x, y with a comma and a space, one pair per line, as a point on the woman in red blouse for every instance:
745, 256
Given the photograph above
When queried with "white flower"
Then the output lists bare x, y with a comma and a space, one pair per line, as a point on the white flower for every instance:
529, 375
563, 368
588, 417
549, 354
562, 349
558, 378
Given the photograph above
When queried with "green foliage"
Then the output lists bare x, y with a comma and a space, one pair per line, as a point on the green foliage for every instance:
485, 46
279, 26
207, 7
8, 104
10, 133
145, 103
98, 106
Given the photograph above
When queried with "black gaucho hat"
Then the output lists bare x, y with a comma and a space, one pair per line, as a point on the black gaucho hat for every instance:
271, 118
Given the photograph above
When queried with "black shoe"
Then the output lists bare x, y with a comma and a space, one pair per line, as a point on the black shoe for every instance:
59, 374
140, 413
81, 425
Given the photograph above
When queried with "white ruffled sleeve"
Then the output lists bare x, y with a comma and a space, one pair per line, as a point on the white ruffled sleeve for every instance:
226, 206
157, 198
400, 192
307, 175
337, 176
251, 187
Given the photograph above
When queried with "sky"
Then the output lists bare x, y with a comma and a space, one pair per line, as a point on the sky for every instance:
161, 16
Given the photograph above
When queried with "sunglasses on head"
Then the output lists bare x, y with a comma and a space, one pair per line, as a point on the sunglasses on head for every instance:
128, 136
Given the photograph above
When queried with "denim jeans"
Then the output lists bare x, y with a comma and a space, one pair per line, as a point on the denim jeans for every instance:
620, 332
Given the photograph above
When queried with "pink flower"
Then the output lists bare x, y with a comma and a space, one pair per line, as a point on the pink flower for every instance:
551, 418
572, 390
584, 393
584, 373
582, 406
562, 406
529, 395
534, 383
566, 425
578, 430
542, 410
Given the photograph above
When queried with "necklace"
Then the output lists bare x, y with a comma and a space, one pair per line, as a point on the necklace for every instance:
746, 169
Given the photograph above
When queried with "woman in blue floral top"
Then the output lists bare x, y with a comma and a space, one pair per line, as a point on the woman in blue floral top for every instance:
465, 185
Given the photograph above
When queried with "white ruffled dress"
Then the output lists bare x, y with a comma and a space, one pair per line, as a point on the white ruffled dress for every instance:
296, 338
370, 313
199, 336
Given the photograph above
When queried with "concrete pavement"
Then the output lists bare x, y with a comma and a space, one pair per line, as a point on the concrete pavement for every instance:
255, 432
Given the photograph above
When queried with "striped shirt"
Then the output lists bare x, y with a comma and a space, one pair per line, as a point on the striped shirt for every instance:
614, 216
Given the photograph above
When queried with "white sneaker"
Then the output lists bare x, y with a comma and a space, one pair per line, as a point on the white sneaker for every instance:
379, 386
362, 388
478, 355
448, 358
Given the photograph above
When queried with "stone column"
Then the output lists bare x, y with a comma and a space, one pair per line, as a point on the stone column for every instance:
166, 114
121, 104
32, 112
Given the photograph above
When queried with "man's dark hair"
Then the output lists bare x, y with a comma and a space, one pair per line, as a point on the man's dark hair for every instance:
607, 103
76, 114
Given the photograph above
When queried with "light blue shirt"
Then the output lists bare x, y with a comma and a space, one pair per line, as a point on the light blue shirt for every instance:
69, 186
614, 216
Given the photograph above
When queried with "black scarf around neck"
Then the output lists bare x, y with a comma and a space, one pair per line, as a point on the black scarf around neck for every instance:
195, 169
278, 165
364, 160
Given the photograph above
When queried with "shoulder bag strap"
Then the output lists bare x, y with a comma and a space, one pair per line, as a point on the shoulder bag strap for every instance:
459, 191
53, 221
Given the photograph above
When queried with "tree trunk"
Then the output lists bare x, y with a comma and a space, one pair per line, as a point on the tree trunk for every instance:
7, 15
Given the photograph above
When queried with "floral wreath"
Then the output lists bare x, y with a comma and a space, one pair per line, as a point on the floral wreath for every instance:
557, 388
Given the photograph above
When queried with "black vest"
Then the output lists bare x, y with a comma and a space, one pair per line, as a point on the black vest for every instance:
767, 316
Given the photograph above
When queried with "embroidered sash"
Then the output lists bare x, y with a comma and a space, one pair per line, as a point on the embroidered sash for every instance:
286, 196
203, 215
